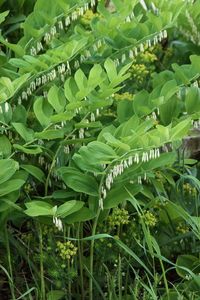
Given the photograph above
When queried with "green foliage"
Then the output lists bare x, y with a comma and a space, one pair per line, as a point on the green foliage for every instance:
95, 111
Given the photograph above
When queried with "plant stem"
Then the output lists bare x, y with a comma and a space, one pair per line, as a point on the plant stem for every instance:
80, 254
42, 281
165, 279
9, 264
68, 267
92, 255
120, 278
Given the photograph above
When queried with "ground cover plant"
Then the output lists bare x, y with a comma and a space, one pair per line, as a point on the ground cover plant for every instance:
99, 149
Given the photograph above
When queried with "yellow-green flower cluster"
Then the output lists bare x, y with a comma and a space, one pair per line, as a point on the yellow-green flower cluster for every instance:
148, 57
124, 96
88, 16
139, 72
182, 228
150, 219
160, 177
28, 188
46, 230
189, 189
118, 217
66, 250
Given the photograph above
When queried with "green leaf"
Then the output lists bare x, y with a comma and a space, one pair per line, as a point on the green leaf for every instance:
55, 295
141, 104
83, 124
93, 155
70, 89
34, 171
68, 208
95, 77
192, 100
84, 214
10, 186
14, 47
78, 181
8, 167
43, 111
6, 88
19, 114
18, 83
39, 208
63, 194
34, 149
119, 194
124, 110
100, 151
65, 116
81, 80
5, 146
190, 262
164, 159
3, 15
115, 142
9, 200
6, 114
180, 130
179, 74
110, 69
26, 133
170, 110
50, 134
169, 89
20, 63
55, 99
35, 62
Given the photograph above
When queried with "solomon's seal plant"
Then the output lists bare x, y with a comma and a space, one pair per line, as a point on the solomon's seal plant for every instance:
93, 133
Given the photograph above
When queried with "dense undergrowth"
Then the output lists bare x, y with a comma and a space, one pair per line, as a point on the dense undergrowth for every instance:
99, 149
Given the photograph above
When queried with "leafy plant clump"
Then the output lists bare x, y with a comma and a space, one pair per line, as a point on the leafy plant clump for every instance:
99, 149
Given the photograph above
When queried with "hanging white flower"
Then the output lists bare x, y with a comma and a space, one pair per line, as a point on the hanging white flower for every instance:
58, 223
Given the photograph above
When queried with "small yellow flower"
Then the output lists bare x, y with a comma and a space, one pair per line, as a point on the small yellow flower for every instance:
118, 217
66, 250
150, 219
182, 228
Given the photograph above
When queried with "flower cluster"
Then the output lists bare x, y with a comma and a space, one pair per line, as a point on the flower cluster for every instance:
65, 69
87, 17
139, 72
118, 170
141, 48
196, 124
43, 163
66, 250
46, 230
61, 70
193, 36
60, 25
28, 188
182, 228
150, 219
129, 17
189, 189
153, 116
45, 78
58, 223
147, 57
4, 108
118, 217
124, 96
